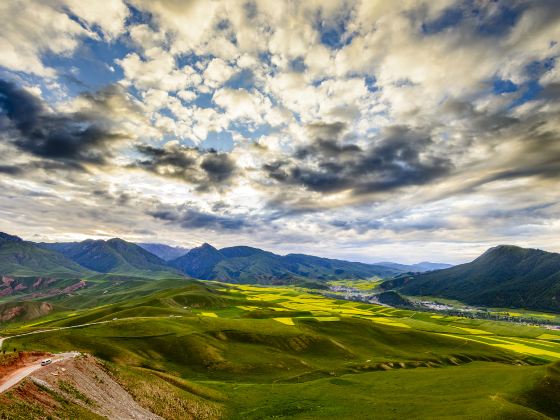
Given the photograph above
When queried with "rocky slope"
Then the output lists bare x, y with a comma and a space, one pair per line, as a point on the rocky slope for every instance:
76, 388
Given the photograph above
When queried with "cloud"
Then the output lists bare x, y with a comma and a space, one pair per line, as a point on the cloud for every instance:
190, 218
217, 73
157, 71
34, 28
109, 16
401, 158
355, 124
11, 170
74, 138
241, 104
205, 169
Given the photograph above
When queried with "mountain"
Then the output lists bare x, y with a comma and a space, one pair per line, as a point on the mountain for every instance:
199, 262
9, 238
113, 256
165, 252
416, 268
504, 276
243, 264
22, 258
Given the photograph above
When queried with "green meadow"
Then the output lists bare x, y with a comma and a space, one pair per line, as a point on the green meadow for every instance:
243, 351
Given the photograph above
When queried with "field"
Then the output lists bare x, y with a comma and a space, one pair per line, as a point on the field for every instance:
256, 352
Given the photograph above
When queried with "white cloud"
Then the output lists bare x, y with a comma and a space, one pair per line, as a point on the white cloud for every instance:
241, 104
188, 23
217, 73
157, 71
108, 15
30, 29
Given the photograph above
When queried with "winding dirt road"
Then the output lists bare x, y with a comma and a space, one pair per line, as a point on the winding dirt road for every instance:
2, 339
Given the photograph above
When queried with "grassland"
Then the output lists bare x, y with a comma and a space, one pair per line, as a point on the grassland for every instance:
258, 352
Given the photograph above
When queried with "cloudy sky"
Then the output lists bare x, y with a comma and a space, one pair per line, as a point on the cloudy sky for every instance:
375, 130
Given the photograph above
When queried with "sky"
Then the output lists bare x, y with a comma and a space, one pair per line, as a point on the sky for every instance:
365, 130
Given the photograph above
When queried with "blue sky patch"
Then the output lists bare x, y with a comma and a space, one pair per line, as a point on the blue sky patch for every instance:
503, 86
245, 79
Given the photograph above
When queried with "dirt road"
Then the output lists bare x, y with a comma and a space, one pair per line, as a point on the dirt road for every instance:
2, 339
16, 376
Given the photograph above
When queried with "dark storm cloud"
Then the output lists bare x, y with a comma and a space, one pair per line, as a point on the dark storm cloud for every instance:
538, 154
29, 169
179, 159
533, 140
401, 158
219, 167
326, 131
118, 198
73, 138
11, 170
204, 168
190, 218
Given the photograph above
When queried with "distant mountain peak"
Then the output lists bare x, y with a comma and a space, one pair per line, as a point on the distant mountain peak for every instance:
204, 248
165, 252
512, 251
8, 237
504, 247
117, 240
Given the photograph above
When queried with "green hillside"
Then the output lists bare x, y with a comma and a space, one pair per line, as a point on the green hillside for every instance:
112, 256
21, 258
266, 352
504, 276
243, 264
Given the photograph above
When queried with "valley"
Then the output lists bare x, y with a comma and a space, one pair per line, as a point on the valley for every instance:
307, 337
252, 351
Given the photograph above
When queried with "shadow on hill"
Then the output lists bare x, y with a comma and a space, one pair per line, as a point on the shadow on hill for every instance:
544, 395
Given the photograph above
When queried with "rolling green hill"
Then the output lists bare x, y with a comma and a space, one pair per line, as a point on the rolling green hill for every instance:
279, 352
504, 276
243, 264
112, 256
22, 258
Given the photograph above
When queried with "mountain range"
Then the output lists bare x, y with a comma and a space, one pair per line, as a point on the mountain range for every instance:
504, 276
243, 264
112, 256
238, 264
419, 267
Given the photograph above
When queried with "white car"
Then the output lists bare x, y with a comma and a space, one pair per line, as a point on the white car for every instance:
46, 362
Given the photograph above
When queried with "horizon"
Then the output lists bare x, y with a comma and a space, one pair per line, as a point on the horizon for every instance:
373, 261
362, 131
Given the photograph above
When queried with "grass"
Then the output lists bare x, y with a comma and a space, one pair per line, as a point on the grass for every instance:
258, 352
478, 390
28, 400
169, 396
